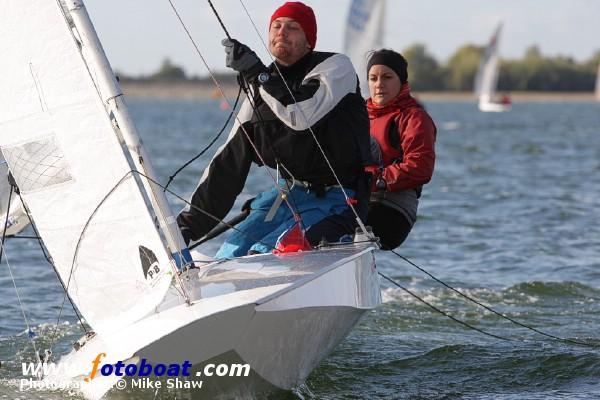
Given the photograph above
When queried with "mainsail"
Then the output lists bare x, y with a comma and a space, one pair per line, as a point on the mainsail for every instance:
71, 147
364, 32
486, 79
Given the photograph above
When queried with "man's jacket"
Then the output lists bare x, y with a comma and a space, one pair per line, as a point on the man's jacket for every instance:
275, 124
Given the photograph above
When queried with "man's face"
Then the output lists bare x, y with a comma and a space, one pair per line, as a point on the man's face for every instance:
287, 41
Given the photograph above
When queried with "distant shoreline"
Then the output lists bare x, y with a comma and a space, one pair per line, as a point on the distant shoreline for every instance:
188, 91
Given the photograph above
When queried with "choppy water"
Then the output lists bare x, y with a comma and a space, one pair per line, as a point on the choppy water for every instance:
511, 218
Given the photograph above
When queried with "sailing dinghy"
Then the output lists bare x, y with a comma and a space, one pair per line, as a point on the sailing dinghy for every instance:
486, 79
86, 179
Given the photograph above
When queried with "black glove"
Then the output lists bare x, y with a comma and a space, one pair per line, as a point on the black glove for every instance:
246, 206
242, 59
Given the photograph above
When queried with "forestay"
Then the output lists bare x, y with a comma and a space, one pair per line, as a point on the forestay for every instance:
62, 145
364, 32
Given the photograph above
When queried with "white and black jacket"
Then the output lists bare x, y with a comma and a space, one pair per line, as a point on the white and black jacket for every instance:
326, 98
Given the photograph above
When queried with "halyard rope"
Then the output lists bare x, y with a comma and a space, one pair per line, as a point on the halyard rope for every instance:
222, 93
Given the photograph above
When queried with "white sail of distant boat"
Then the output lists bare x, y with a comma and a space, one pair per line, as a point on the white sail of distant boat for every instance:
598, 84
76, 157
486, 79
12, 215
364, 32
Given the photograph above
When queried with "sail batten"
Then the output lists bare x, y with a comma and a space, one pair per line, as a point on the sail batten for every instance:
74, 172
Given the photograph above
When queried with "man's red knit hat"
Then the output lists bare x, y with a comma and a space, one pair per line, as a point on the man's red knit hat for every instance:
303, 15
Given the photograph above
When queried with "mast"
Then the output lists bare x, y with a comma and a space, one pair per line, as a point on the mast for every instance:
112, 96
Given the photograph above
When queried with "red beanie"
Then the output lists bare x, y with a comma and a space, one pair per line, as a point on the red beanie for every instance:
302, 14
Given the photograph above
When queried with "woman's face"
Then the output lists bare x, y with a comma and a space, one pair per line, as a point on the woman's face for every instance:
384, 84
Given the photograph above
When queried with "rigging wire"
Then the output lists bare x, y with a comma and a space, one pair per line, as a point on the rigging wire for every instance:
207, 146
65, 288
245, 85
219, 19
49, 259
30, 332
152, 180
467, 325
471, 299
358, 219
6, 221
230, 226
129, 173
222, 93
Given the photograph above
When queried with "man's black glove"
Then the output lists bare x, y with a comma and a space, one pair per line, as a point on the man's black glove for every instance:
246, 207
242, 59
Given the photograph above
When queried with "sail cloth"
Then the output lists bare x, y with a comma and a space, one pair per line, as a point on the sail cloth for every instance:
68, 160
364, 32
486, 79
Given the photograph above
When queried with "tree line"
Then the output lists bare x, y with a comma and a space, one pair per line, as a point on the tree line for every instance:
534, 72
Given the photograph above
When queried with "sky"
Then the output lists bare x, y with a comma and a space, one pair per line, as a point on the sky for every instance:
138, 34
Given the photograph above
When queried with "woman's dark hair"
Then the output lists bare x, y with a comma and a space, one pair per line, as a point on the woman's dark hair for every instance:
390, 59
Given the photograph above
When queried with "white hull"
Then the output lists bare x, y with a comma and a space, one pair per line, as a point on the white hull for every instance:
488, 106
280, 314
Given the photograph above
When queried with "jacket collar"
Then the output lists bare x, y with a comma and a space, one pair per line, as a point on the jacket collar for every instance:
298, 68
402, 101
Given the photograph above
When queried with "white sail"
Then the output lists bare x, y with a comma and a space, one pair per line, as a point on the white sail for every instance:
486, 79
487, 75
598, 84
364, 32
67, 138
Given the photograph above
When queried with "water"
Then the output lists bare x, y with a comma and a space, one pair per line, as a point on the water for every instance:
511, 218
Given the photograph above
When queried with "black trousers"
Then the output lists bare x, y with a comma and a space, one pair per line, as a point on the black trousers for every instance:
333, 227
390, 225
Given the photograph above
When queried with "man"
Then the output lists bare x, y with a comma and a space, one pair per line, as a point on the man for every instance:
274, 128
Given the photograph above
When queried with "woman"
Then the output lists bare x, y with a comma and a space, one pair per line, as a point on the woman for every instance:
403, 137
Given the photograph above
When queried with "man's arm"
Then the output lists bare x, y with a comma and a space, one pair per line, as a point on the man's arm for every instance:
221, 183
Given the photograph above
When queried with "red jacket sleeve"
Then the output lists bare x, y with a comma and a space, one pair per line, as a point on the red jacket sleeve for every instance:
417, 138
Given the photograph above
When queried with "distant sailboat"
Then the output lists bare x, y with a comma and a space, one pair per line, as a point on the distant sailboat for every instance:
486, 79
364, 32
